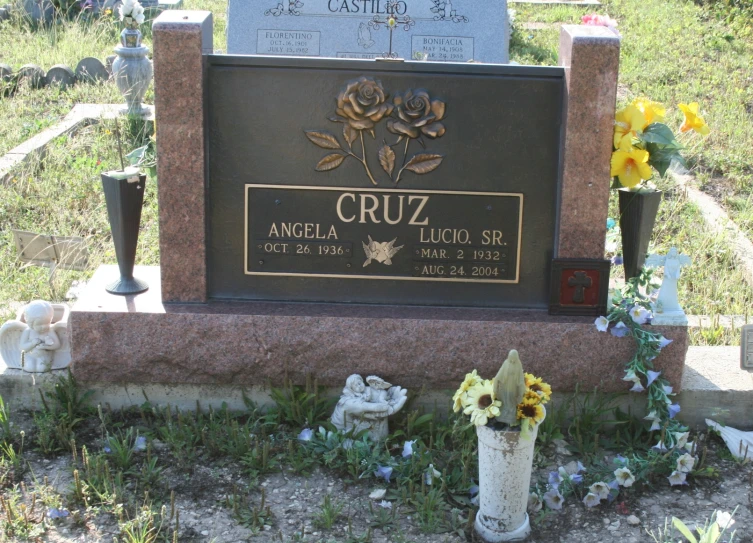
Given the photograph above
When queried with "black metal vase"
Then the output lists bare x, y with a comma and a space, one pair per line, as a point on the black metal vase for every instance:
637, 217
125, 197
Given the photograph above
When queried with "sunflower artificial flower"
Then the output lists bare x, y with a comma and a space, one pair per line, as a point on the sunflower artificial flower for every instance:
480, 405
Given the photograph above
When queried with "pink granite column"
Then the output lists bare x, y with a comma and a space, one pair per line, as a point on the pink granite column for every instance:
591, 57
181, 38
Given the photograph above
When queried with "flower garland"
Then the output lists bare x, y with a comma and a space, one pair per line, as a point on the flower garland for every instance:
631, 310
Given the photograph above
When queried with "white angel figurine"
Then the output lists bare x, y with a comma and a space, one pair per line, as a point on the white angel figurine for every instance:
37, 341
667, 303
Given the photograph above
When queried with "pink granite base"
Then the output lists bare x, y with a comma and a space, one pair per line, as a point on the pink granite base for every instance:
138, 339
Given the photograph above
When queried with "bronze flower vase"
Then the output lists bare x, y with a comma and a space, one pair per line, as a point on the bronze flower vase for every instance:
638, 211
124, 196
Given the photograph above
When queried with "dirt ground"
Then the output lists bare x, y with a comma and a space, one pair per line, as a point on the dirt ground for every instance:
295, 502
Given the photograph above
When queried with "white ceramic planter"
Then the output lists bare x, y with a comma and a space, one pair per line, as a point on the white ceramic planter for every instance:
504, 464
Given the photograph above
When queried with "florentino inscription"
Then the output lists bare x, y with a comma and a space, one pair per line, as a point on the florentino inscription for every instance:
382, 234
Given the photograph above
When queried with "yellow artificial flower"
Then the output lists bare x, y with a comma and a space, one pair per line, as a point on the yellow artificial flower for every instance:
481, 407
693, 121
460, 398
531, 410
537, 388
531, 379
627, 123
630, 166
653, 112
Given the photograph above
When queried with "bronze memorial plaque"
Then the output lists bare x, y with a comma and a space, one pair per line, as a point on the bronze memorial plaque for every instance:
352, 181
383, 233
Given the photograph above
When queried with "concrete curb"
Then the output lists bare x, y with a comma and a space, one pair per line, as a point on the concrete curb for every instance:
713, 386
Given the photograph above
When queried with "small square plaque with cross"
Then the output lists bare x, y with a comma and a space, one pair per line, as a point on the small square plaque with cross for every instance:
579, 286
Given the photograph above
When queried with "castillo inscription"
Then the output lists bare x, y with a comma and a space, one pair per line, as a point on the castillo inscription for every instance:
393, 234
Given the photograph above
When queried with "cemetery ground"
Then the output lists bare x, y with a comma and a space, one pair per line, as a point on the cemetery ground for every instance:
76, 472
152, 474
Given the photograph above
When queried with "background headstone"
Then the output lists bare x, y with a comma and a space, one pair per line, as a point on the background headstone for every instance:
34, 74
60, 76
444, 30
39, 10
4, 14
91, 69
109, 61
5, 72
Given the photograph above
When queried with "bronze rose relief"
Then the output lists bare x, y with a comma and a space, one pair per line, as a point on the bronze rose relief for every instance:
411, 115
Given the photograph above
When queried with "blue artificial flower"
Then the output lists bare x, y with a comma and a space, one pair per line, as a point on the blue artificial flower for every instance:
619, 330
619, 459
385, 472
591, 500
57, 513
673, 410
617, 260
576, 478
581, 467
667, 389
663, 342
140, 444
107, 450
408, 448
555, 478
554, 499
473, 490
306, 434
652, 376
637, 387
611, 223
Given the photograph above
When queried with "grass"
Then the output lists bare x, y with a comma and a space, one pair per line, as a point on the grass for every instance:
676, 51
67, 42
62, 195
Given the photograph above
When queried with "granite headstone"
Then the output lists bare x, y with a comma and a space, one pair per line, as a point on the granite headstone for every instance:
439, 30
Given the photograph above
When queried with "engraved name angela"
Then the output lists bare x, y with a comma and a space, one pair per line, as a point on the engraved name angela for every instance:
396, 234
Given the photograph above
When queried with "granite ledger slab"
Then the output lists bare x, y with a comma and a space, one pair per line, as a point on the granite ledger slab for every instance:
443, 30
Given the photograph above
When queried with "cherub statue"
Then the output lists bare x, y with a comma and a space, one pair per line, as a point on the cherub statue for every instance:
37, 341
667, 308
364, 407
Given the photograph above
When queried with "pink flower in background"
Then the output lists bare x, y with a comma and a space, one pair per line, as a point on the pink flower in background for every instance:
594, 19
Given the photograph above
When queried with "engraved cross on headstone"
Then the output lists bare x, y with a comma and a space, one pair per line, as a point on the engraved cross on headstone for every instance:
392, 22
581, 282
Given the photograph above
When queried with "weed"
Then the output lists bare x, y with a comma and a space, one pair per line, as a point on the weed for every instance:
383, 518
328, 513
21, 515
430, 509
121, 447
5, 425
302, 407
589, 422
251, 516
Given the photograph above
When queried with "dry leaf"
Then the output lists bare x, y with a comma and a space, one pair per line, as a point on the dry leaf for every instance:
387, 159
424, 163
330, 162
323, 139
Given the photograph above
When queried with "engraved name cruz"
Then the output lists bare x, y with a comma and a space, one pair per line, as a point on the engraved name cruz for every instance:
369, 206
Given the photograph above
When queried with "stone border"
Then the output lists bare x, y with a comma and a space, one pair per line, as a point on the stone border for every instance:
719, 222
80, 116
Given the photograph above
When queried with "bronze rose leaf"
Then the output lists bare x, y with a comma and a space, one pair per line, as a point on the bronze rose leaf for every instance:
349, 133
387, 159
330, 162
323, 139
424, 163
